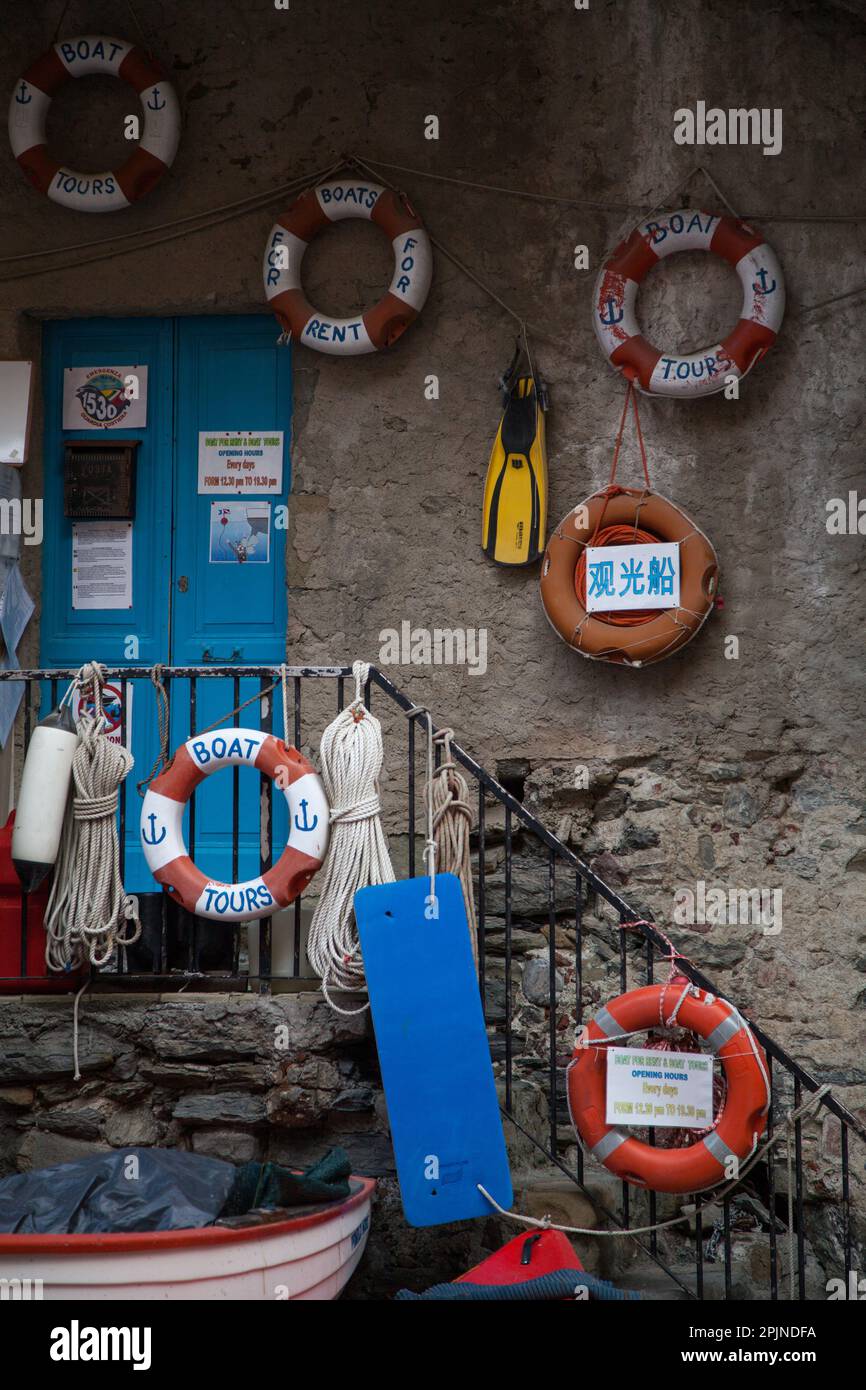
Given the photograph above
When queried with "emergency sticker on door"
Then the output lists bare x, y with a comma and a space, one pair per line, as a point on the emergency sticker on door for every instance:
240, 533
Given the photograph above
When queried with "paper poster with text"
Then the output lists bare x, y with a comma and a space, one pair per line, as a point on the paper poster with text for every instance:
240, 461
650, 1087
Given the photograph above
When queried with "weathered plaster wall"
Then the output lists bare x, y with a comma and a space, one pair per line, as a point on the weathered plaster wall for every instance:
743, 772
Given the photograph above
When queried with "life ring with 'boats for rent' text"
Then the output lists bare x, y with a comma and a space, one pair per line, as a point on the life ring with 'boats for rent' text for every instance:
697, 373
154, 153
162, 818
291, 234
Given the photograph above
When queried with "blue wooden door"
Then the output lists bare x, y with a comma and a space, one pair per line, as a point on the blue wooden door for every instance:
139, 635
228, 598
214, 374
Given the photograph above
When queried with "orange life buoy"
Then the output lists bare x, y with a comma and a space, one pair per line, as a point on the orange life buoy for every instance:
662, 632
743, 1117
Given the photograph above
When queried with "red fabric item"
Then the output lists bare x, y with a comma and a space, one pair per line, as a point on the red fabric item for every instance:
38, 978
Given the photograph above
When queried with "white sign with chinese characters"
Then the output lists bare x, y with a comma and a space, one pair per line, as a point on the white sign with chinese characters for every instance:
622, 577
674, 1089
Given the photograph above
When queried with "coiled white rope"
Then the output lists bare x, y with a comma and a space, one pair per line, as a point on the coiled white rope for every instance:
89, 913
351, 757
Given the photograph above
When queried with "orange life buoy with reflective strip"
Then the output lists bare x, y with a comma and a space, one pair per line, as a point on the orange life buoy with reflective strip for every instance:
743, 1117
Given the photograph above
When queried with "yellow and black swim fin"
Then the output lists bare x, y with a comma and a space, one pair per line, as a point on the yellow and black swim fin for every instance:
515, 489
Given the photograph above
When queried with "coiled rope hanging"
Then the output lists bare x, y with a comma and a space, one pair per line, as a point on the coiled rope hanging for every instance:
448, 795
89, 914
351, 756
619, 535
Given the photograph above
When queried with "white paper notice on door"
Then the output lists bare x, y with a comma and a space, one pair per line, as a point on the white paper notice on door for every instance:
102, 564
243, 461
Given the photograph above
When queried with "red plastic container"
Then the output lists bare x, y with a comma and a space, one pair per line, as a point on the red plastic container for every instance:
527, 1256
36, 977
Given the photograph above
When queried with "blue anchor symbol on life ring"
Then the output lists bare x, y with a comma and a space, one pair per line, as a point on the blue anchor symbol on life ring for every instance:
153, 838
23, 96
763, 288
612, 316
155, 104
307, 825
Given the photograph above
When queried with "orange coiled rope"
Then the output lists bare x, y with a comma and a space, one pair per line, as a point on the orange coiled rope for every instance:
619, 535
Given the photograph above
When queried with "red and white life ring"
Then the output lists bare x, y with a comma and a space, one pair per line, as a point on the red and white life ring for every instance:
747, 1101
292, 233
697, 373
28, 109
162, 817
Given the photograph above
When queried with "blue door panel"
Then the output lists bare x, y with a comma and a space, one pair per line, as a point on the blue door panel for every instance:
215, 797
67, 636
231, 376
215, 373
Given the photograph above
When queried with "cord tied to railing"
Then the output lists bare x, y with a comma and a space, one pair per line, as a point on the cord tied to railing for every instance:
162, 718
430, 845
447, 794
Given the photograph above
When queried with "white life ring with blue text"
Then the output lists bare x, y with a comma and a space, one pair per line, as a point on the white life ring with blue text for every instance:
152, 156
162, 821
291, 234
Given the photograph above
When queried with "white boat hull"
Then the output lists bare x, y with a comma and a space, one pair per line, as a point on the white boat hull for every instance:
310, 1256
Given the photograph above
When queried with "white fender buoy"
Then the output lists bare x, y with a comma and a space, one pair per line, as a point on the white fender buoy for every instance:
43, 796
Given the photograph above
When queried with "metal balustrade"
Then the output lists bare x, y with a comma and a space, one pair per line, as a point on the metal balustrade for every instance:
636, 953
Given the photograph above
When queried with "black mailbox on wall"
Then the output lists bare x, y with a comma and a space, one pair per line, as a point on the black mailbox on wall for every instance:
99, 479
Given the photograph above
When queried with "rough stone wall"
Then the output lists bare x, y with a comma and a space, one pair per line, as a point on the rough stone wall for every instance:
740, 773
238, 1078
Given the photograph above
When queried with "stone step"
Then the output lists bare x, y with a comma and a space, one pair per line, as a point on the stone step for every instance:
654, 1285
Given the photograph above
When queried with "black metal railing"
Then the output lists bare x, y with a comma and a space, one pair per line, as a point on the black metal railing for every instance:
792, 1226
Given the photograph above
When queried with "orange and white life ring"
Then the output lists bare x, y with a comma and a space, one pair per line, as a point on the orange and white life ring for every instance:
292, 233
154, 153
162, 817
738, 1127
697, 373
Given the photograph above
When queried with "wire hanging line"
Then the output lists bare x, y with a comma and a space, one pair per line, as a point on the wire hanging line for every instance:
145, 239
598, 206
60, 20
226, 213
667, 201
251, 203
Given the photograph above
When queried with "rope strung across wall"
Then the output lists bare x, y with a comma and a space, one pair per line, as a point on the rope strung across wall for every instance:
145, 239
